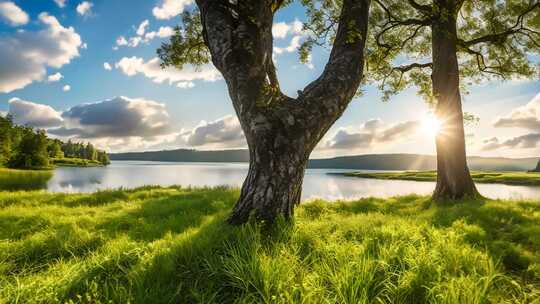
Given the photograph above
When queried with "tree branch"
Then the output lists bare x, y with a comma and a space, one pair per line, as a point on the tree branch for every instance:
495, 37
420, 7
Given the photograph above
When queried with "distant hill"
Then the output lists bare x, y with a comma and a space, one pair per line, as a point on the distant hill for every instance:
365, 162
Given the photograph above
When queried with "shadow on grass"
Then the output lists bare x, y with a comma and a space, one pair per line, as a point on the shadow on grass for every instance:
507, 230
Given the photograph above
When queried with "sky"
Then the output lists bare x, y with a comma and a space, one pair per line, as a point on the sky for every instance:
88, 71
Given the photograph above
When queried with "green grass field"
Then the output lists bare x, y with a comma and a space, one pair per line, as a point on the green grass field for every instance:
13, 179
171, 245
75, 162
510, 178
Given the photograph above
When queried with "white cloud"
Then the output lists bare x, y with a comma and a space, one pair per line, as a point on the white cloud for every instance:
121, 41
85, 8
527, 141
143, 36
54, 77
33, 114
142, 27
60, 3
170, 8
371, 133
223, 132
24, 55
280, 30
293, 46
66, 88
185, 84
107, 66
131, 66
526, 117
163, 32
119, 117
13, 14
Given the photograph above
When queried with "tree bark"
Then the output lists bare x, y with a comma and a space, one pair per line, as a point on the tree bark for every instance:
453, 177
280, 131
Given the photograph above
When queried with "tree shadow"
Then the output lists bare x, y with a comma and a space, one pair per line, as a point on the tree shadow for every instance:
508, 232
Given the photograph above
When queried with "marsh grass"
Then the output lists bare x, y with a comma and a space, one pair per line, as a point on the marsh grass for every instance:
171, 245
13, 179
510, 178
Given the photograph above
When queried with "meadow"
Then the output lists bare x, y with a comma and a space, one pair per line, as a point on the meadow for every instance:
509, 178
172, 245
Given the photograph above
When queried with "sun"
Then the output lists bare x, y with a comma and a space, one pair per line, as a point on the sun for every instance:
431, 125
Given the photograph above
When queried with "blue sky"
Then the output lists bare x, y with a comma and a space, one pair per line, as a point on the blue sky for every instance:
199, 113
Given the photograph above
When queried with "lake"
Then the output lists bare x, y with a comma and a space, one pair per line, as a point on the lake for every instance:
318, 183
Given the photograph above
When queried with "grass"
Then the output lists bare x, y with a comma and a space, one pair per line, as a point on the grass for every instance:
510, 178
13, 179
171, 245
75, 162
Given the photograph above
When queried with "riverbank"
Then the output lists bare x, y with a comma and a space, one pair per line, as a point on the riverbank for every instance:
162, 245
508, 178
14, 179
75, 162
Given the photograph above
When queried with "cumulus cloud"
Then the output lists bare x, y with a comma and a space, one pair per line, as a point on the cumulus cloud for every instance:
12, 14
55, 77
281, 30
131, 66
85, 8
223, 132
371, 133
24, 55
107, 66
33, 114
162, 32
527, 141
60, 3
115, 118
66, 88
526, 117
170, 8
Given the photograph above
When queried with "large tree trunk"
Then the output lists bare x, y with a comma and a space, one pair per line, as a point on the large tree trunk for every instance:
453, 177
273, 186
280, 131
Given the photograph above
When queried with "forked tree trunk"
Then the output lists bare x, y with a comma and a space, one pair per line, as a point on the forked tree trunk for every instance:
280, 131
273, 185
453, 177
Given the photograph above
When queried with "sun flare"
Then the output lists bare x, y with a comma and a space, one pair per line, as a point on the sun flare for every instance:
431, 125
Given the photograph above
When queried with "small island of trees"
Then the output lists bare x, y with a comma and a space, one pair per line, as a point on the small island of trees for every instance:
24, 147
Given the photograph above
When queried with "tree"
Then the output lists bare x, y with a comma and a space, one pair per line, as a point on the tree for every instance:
281, 131
55, 148
32, 150
455, 40
537, 169
6, 130
90, 152
103, 158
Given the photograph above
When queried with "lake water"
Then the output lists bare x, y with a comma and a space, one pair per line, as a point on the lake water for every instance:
318, 183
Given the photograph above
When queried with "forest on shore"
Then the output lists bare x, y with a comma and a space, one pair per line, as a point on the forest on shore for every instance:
23, 147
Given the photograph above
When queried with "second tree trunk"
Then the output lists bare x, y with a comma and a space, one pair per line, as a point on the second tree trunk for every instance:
453, 177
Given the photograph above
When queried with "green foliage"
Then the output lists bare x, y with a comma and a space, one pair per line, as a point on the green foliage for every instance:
31, 151
510, 178
187, 45
495, 39
171, 245
24, 147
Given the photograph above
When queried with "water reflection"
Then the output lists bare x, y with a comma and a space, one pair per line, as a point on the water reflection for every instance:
317, 182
